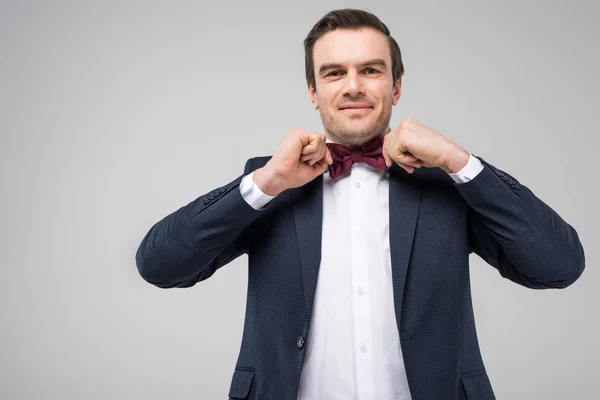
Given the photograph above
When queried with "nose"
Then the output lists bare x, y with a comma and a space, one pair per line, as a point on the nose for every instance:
353, 84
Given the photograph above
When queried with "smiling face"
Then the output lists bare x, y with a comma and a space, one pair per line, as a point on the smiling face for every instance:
354, 91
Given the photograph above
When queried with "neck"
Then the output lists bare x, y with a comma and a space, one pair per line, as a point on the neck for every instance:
353, 144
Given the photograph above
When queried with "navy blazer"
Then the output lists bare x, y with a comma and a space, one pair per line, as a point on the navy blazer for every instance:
435, 224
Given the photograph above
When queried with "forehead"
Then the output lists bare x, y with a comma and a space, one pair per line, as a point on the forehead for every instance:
349, 46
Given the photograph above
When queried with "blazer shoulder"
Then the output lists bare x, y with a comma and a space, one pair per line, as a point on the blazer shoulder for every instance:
255, 163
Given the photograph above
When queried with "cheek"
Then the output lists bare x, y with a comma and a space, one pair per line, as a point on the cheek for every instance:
386, 102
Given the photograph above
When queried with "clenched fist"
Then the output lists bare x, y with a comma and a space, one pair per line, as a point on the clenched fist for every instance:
300, 157
413, 145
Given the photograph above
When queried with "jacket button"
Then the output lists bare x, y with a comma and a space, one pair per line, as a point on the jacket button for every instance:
300, 342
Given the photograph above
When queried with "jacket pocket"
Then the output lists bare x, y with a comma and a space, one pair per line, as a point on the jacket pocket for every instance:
478, 387
240, 384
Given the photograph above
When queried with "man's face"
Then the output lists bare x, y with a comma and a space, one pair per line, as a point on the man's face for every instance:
354, 90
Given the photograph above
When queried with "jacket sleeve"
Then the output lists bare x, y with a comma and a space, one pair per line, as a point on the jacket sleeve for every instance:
518, 234
190, 244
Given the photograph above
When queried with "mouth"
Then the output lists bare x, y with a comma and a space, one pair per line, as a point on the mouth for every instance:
356, 110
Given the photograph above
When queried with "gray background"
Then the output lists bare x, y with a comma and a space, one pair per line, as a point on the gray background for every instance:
114, 114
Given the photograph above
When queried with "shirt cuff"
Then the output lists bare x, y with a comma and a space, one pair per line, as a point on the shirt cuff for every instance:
252, 193
469, 171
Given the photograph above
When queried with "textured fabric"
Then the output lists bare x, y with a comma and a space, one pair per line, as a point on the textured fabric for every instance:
434, 223
344, 157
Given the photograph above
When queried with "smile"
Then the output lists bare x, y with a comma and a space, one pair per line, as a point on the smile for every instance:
356, 110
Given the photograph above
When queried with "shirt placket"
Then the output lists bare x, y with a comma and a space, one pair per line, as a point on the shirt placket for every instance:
361, 296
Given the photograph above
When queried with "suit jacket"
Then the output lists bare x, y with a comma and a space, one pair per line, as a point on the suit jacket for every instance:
435, 224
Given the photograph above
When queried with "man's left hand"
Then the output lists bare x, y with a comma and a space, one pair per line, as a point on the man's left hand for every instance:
413, 145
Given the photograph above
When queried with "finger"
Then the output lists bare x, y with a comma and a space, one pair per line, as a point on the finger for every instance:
313, 159
320, 157
388, 160
408, 159
320, 167
311, 147
316, 155
408, 168
414, 164
309, 141
310, 137
388, 145
322, 151
328, 156
417, 163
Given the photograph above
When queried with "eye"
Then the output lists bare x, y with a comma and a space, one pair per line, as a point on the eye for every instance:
375, 71
332, 73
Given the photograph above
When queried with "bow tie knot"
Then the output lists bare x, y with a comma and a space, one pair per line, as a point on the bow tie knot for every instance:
344, 157
357, 155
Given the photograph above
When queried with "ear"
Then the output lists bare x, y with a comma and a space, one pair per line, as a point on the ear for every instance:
396, 91
312, 92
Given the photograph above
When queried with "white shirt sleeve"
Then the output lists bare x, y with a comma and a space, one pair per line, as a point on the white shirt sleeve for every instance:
252, 193
469, 171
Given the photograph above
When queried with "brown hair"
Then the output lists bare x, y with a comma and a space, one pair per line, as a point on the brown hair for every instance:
349, 18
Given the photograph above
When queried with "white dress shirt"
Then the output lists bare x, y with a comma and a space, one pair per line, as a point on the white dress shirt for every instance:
353, 347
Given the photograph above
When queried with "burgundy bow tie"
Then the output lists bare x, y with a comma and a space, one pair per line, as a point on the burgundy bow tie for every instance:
344, 157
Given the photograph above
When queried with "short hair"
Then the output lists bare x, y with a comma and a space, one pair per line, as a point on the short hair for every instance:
349, 18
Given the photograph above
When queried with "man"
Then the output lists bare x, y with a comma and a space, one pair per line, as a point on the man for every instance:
359, 239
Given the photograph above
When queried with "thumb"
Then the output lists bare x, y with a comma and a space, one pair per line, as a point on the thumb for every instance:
320, 167
388, 160
328, 158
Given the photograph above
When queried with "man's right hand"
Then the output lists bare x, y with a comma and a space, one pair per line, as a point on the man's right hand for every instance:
300, 157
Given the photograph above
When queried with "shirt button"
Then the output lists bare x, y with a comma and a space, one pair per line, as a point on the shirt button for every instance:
360, 291
357, 184
300, 342
363, 348
358, 235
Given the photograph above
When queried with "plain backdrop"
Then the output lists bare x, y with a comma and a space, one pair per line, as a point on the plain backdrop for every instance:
114, 114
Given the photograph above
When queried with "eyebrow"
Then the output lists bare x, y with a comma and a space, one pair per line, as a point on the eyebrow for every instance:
328, 66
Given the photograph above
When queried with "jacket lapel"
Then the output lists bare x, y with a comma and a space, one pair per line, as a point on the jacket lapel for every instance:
405, 198
307, 202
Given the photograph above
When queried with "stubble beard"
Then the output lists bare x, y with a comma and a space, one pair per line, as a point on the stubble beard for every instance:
344, 130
